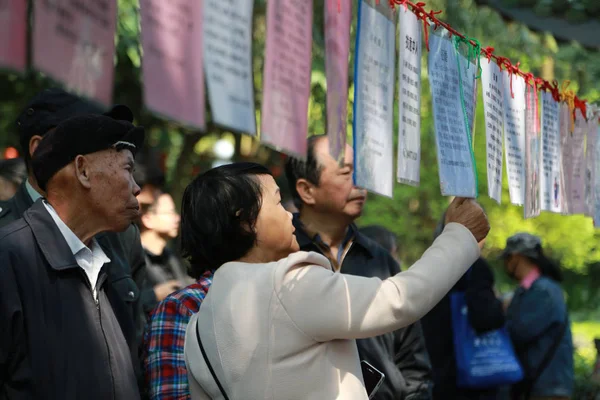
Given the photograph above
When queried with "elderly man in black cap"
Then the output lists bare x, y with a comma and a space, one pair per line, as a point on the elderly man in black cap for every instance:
126, 271
65, 332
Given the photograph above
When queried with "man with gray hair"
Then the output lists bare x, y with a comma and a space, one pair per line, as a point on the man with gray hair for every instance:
65, 332
328, 204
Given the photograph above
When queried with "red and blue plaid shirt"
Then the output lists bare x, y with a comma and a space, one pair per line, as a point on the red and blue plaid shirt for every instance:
164, 362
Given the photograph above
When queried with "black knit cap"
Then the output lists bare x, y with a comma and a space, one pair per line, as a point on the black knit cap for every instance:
82, 135
46, 110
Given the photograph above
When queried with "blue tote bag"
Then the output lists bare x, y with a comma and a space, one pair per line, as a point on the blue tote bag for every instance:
482, 361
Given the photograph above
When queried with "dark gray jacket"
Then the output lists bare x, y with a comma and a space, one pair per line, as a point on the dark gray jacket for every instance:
400, 355
56, 342
534, 320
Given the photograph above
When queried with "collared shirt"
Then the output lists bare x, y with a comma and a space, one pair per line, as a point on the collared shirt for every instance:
32, 192
531, 277
326, 250
164, 360
91, 261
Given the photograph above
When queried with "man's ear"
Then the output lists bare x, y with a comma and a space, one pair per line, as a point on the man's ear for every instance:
306, 191
33, 144
82, 171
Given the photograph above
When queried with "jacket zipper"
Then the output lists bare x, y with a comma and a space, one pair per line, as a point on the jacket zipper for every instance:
96, 299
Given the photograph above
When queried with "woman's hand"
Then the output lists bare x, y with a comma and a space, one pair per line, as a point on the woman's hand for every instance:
469, 214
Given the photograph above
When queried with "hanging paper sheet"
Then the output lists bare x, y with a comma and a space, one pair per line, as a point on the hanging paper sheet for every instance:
455, 157
493, 105
577, 159
337, 49
409, 103
468, 91
286, 76
76, 45
550, 178
172, 67
13, 34
514, 135
566, 144
228, 61
590, 166
374, 97
533, 156
596, 175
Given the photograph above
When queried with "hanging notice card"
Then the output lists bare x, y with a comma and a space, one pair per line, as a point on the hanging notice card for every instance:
532, 154
409, 87
455, 156
596, 175
514, 135
577, 170
374, 97
287, 76
590, 166
337, 49
228, 61
172, 65
493, 105
76, 45
13, 30
550, 178
566, 144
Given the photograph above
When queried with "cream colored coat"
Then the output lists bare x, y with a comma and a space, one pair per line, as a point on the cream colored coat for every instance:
285, 330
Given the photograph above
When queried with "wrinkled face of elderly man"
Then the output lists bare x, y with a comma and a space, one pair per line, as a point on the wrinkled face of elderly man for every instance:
106, 179
86, 165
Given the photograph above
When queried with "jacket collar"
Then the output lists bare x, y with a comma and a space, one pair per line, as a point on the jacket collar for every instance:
305, 240
49, 238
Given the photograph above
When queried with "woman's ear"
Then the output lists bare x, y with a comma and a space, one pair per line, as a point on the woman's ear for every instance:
82, 171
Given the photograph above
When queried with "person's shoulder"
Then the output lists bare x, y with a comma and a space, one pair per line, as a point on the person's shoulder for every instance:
548, 285
186, 300
304, 258
14, 232
377, 252
7, 212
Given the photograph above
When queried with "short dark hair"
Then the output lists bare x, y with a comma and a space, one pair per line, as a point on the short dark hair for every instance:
310, 169
218, 215
382, 236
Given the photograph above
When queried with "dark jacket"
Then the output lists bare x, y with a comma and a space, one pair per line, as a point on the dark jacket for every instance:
126, 271
485, 314
534, 319
401, 355
56, 341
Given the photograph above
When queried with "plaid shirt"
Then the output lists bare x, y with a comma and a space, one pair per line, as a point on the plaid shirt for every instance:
164, 362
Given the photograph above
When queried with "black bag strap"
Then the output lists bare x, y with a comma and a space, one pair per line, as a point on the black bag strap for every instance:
210, 368
547, 357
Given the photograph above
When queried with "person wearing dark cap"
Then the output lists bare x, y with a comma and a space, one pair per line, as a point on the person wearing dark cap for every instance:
538, 321
40, 116
12, 174
65, 332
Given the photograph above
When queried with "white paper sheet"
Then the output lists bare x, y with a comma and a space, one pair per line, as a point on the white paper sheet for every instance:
493, 105
374, 98
456, 165
550, 178
514, 135
409, 103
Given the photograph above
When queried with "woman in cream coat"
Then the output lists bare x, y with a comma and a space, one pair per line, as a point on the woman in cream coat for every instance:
278, 323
